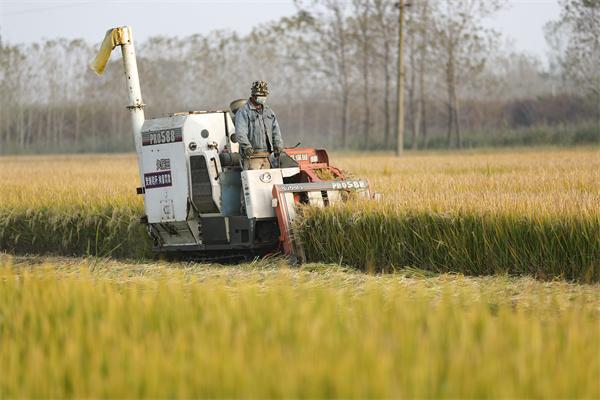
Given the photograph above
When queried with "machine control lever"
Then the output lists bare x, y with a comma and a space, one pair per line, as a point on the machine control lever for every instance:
214, 160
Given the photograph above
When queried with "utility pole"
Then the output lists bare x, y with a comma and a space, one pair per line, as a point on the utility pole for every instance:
400, 80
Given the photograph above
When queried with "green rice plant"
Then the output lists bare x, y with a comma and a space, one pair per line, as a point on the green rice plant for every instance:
268, 331
100, 232
380, 237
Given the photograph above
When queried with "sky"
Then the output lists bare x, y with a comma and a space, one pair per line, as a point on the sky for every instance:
26, 21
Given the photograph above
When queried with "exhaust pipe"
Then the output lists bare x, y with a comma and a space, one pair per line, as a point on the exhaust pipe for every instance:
123, 37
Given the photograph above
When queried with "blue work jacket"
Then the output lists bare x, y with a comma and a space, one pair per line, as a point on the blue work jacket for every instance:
255, 127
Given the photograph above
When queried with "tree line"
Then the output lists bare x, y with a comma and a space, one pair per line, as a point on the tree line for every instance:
331, 68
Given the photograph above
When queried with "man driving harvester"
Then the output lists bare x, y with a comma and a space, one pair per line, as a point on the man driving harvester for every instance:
257, 129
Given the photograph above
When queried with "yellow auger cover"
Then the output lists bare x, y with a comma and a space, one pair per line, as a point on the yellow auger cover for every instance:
113, 38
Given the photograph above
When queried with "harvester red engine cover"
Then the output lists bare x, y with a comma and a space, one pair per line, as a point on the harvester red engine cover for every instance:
313, 162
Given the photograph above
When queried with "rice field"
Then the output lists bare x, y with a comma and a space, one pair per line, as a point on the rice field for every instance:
89, 328
491, 287
521, 212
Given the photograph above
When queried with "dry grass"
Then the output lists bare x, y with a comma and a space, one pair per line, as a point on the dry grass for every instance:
67, 182
554, 181
527, 182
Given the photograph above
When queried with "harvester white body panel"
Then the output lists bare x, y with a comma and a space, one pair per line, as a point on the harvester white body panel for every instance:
168, 144
164, 170
257, 186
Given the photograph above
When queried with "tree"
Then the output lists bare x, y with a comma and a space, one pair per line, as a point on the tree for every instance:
330, 50
362, 11
579, 25
385, 29
424, 51
463, 43
402, 5
413, 116
331, 68
288, 62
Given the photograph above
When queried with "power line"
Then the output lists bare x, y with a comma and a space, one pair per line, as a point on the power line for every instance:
45, 9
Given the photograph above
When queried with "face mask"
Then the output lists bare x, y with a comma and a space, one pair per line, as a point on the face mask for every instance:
261, 99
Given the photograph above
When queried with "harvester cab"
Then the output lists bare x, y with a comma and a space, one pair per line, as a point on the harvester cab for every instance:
199, 201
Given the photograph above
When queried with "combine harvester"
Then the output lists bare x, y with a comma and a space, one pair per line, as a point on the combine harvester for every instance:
192, 180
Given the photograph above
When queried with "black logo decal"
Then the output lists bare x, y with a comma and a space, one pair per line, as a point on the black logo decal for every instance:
163, 164
161, 137
157, 179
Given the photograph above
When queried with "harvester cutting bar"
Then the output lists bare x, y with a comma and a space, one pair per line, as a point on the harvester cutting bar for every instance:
287, 197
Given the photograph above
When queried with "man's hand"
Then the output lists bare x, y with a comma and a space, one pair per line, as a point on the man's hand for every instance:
278, 150
248, 151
